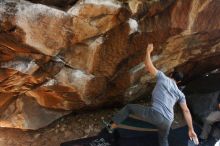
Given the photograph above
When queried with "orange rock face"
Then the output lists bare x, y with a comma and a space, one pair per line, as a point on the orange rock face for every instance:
62, 57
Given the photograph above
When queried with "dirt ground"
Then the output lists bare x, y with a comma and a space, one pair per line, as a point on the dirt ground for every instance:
71, 127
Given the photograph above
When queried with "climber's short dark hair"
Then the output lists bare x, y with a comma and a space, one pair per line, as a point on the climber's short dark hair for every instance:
177, 76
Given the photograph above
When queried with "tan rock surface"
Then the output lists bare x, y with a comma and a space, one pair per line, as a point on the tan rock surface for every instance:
25, 113
89, 53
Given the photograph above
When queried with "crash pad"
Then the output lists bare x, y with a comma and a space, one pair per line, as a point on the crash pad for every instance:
126, 137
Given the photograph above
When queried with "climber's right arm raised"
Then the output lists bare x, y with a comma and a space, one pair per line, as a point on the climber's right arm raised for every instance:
148, 63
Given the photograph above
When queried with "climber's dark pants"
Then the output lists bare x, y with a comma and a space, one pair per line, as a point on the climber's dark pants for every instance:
148, 114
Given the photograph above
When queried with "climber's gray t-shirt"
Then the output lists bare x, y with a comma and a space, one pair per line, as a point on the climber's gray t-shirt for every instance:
165, 95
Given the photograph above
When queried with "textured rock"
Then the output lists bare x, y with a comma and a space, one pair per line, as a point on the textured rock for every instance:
85, 54
61, 4
49, 30
70, 89
25, 113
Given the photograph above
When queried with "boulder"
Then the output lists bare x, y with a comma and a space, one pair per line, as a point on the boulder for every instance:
86, 54
26, 113
69, 90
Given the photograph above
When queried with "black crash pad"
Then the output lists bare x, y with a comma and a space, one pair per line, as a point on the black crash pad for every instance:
125, 137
